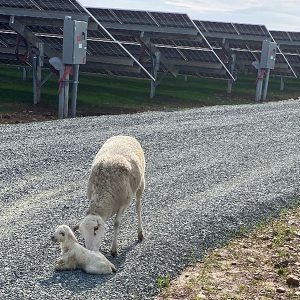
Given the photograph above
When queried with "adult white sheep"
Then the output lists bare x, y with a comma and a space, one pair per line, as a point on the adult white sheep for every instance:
117, 175
75, 256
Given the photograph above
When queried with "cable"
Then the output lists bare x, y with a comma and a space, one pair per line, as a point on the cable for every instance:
67, 71
22, 58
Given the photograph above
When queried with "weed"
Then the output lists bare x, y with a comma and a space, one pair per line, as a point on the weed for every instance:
163, 282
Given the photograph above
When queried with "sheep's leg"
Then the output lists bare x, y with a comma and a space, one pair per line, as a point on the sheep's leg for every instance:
138, 207
114, 248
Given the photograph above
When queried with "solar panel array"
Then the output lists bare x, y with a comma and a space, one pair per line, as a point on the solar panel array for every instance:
245, 41
45, 20
173, 35
290, 44
185, 48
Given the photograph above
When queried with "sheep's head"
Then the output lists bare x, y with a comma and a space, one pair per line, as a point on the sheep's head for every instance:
62, 234
92, 229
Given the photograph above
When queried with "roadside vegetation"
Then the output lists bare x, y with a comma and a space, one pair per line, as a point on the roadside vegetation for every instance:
260, 264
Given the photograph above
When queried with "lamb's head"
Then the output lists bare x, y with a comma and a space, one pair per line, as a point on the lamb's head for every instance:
62, 234
92, 229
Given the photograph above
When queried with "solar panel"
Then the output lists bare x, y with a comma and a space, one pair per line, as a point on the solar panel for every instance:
280, 35
47, 5
203, 56
290, 46
295, 36
127, 25
97, 48
196, 62
240, 39
172, 20
220, 27
103, 15
134, 17
251, 29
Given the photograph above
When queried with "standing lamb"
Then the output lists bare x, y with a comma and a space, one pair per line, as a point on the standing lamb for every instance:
117, 176
75, 256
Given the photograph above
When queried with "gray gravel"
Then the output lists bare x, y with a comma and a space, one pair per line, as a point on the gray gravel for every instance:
209, 172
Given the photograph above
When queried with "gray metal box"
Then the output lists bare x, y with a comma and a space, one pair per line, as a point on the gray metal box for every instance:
268, 55
75, 42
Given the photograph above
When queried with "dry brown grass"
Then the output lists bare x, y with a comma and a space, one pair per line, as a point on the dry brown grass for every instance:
254, 266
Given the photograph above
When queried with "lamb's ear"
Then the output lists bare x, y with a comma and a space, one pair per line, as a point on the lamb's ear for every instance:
76, 227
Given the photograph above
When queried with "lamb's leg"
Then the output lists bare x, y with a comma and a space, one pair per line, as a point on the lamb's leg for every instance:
114, 248
138, 207
64, 265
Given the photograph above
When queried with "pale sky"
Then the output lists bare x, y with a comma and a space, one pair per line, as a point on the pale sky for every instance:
275, 14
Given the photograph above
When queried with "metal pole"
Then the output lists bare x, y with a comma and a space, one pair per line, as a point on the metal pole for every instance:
232, 67
74, 90
34, 79
156, 64
66, 95
39, 80
61, 97
24, 74
258, 86
266, 84
281, 83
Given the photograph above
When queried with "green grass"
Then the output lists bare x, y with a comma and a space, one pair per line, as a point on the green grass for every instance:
100, 92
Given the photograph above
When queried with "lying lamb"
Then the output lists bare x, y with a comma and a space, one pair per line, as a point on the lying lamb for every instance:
74, 256
117, 176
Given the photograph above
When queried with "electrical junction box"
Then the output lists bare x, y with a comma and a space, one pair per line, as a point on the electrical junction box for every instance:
268, 55
75, 42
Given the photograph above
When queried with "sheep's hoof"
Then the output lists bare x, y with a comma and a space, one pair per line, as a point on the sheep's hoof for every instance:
114, 253
140, 236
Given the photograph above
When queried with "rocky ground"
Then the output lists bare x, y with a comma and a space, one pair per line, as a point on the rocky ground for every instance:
210, 173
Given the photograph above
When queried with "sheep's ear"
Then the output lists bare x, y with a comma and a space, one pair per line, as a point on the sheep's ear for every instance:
75, 228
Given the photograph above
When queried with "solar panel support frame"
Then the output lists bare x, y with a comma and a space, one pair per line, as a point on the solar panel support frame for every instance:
205, 39
155, 67
232, 70
29, 36
266, 85
282, 83
37, 63
153, 49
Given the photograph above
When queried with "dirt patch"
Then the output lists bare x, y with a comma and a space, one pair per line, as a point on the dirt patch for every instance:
35, 114
263, 264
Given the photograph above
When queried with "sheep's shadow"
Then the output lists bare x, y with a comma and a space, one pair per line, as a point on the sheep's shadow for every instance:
119, 260
75, 281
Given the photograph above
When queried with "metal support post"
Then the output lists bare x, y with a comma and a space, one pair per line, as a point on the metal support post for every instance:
66, 95
36, 88
61, 97
259, 84
24, 74
266, 84
37, 63
155, 68
232, 67
282, 83
74, 90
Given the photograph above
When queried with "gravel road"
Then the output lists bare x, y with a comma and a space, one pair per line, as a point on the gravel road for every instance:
209, 172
